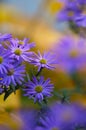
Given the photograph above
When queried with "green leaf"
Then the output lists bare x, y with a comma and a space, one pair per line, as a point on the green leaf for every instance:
7, 94
11, 90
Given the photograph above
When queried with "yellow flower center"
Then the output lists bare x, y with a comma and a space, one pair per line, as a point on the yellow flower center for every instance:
21, 42
18, 52
1, 59
84, 12
43, 61
67, 116
73, 54
38, 89
70, 13
55, 129
10, 72
1, 78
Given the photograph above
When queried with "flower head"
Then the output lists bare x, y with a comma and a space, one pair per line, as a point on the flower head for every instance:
63, 117
20, 49
15, 75
43, 61
70, 11
70, 54
38, 89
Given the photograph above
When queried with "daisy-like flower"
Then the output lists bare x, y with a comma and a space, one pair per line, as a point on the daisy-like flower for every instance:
38, 89
70, 54
15, 75
44, 61
70, 11
4, 37
20, 49
67, 15
5, 60
63, 117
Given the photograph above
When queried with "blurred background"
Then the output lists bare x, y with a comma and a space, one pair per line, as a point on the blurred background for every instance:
34, 19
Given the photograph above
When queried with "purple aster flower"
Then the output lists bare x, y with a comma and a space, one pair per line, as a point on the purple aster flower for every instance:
63, 117
15, 75
20, 49
67, 15
66, 114
44, 61
38, 89
4, 37
70, 3
78, 122
70, 54
70, 11
5, 60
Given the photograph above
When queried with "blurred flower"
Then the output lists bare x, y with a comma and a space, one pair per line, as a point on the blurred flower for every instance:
14, 75
65, 114
43, 61
69, 12
20, 49
38, 89
70, 54
80, 20
55, 6
66, 15
28, 119
63, 117
72, 13
4, 37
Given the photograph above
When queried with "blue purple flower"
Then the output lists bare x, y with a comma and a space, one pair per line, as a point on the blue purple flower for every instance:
20, 49
15, 75
38, 89
70, 54
66, 114
70, 11
44, 61
63, 117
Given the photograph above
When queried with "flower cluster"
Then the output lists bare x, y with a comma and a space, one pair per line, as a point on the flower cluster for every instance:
74, 12
14, 56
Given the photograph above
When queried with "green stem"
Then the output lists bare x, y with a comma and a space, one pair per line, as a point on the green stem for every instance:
39, 72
